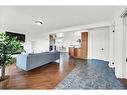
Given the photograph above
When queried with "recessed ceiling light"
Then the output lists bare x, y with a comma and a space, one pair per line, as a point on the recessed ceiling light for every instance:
38, 22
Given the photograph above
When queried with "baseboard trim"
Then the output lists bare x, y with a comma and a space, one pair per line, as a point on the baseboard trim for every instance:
111, 65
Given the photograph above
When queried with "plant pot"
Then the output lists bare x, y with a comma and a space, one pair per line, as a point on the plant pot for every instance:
4, 83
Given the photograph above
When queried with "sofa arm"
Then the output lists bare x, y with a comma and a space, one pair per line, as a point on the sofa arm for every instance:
21, 61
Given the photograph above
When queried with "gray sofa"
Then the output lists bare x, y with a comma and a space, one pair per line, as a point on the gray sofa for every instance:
31, 61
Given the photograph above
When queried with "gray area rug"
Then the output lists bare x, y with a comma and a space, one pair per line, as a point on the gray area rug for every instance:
90, 74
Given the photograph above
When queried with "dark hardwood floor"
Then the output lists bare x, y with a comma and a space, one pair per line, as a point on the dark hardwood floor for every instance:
44, 77
124, 82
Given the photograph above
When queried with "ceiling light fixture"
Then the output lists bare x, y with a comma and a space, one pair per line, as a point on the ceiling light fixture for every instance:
38, 22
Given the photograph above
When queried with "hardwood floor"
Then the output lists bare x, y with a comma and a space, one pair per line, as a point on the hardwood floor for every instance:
44, 77
124, 82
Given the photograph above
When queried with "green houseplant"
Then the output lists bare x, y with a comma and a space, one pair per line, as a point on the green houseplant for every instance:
7, 47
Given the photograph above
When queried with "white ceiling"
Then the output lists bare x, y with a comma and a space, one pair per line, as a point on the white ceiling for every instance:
21, 18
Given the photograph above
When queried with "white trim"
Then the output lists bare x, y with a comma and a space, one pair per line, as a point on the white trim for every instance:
111, 65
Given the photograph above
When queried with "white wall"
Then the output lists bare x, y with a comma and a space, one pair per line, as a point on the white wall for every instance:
42, 45
90, 41
36, 44
106, 55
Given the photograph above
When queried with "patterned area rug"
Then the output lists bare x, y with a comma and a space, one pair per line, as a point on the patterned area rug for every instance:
90, 74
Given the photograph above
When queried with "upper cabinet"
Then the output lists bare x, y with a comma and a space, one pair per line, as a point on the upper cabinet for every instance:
84, 44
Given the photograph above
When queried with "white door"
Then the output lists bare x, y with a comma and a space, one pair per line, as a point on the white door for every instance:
98, 43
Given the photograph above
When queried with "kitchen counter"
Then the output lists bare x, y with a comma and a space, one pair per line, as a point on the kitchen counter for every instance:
74, 46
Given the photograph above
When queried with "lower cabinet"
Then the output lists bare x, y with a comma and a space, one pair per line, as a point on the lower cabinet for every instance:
71, 51
75, 52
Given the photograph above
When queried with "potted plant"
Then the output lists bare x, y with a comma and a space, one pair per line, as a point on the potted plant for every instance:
8, 46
